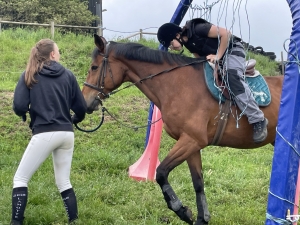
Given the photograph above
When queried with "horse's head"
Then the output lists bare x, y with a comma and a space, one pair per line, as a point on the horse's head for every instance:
100, 81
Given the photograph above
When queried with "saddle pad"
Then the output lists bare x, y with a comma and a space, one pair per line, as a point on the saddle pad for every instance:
257, 84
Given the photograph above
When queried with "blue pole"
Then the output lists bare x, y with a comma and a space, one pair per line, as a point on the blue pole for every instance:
176, 18
283, 182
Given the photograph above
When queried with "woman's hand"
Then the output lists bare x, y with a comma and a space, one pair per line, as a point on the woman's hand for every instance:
223, 36
24, 117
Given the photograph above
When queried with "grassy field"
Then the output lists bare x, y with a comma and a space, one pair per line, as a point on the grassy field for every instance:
236, 180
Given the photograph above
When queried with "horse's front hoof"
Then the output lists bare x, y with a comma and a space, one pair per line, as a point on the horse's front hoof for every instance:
186, 215
201, 222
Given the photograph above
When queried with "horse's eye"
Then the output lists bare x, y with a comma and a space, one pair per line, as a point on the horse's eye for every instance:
94, 67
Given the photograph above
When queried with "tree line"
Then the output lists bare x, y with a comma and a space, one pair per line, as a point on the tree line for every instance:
73, 12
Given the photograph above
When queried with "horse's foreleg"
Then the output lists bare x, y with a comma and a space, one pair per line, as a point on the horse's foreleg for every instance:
179, 153
195, 165
170, 197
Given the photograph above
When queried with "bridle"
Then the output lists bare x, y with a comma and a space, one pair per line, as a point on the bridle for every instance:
99, 87
100, 82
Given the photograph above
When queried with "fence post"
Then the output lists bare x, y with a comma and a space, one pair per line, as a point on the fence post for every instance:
141, 34
52, 29
99, 30
0, 25
282, 64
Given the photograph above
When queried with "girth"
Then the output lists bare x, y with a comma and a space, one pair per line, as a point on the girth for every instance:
222, 123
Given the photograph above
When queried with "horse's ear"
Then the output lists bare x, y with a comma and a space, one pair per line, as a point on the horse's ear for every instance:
99, 43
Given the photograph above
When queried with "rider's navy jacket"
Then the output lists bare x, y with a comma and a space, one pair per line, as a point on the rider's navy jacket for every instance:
50, 100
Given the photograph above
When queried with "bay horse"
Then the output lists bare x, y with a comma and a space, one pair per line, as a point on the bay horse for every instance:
188, 109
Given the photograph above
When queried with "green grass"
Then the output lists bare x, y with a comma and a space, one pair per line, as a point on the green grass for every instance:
236, 180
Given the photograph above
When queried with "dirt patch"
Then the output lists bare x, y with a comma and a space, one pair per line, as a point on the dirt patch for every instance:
7, 94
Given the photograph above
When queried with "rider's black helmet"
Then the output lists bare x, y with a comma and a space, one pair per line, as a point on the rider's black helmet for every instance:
167, 32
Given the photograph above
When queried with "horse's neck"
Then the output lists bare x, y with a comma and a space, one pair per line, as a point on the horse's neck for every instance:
143, 69
140, 74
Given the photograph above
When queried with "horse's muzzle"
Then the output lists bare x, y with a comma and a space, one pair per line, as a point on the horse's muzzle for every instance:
94, 106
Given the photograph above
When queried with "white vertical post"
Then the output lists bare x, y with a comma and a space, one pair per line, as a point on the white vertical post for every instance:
282, 64
52, 29
99, 13
141, 34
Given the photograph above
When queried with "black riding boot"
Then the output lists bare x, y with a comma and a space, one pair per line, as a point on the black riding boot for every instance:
260, 131
19, 201
70, 204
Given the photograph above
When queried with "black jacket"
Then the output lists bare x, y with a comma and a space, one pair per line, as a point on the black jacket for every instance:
50, 100
198, 41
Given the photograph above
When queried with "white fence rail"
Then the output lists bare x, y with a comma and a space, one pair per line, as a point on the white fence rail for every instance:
140, 34
51, 25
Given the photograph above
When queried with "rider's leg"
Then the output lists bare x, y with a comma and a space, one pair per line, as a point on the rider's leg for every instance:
244, 98
234, 64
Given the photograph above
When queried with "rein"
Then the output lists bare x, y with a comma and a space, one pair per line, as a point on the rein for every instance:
154, 75
100, 124
105, 65
135, 128
100, 87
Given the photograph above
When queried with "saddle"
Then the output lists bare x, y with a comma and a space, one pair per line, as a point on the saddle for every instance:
250, 67
250, 71
253, 78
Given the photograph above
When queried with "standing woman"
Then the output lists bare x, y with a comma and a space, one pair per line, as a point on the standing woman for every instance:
48, 91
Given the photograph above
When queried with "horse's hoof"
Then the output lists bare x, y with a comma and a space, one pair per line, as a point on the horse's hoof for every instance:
186, 215
189, 214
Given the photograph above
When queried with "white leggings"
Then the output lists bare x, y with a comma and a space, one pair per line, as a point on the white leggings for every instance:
61, 145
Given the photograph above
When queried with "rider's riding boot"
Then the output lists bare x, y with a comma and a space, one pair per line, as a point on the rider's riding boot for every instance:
260, 131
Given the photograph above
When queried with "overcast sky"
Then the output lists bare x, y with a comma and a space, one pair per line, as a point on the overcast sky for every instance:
265, 23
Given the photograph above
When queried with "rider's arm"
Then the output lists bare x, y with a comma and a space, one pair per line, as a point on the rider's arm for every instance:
223, 35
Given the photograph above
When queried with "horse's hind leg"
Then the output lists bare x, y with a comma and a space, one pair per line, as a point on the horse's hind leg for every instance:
184, 147
195, 165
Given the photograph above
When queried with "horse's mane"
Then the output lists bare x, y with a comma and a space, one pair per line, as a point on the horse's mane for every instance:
139, 52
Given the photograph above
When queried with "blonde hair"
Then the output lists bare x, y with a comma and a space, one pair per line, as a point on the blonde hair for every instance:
39, 56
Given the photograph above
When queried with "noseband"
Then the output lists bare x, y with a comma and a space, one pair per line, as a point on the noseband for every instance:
100, 82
